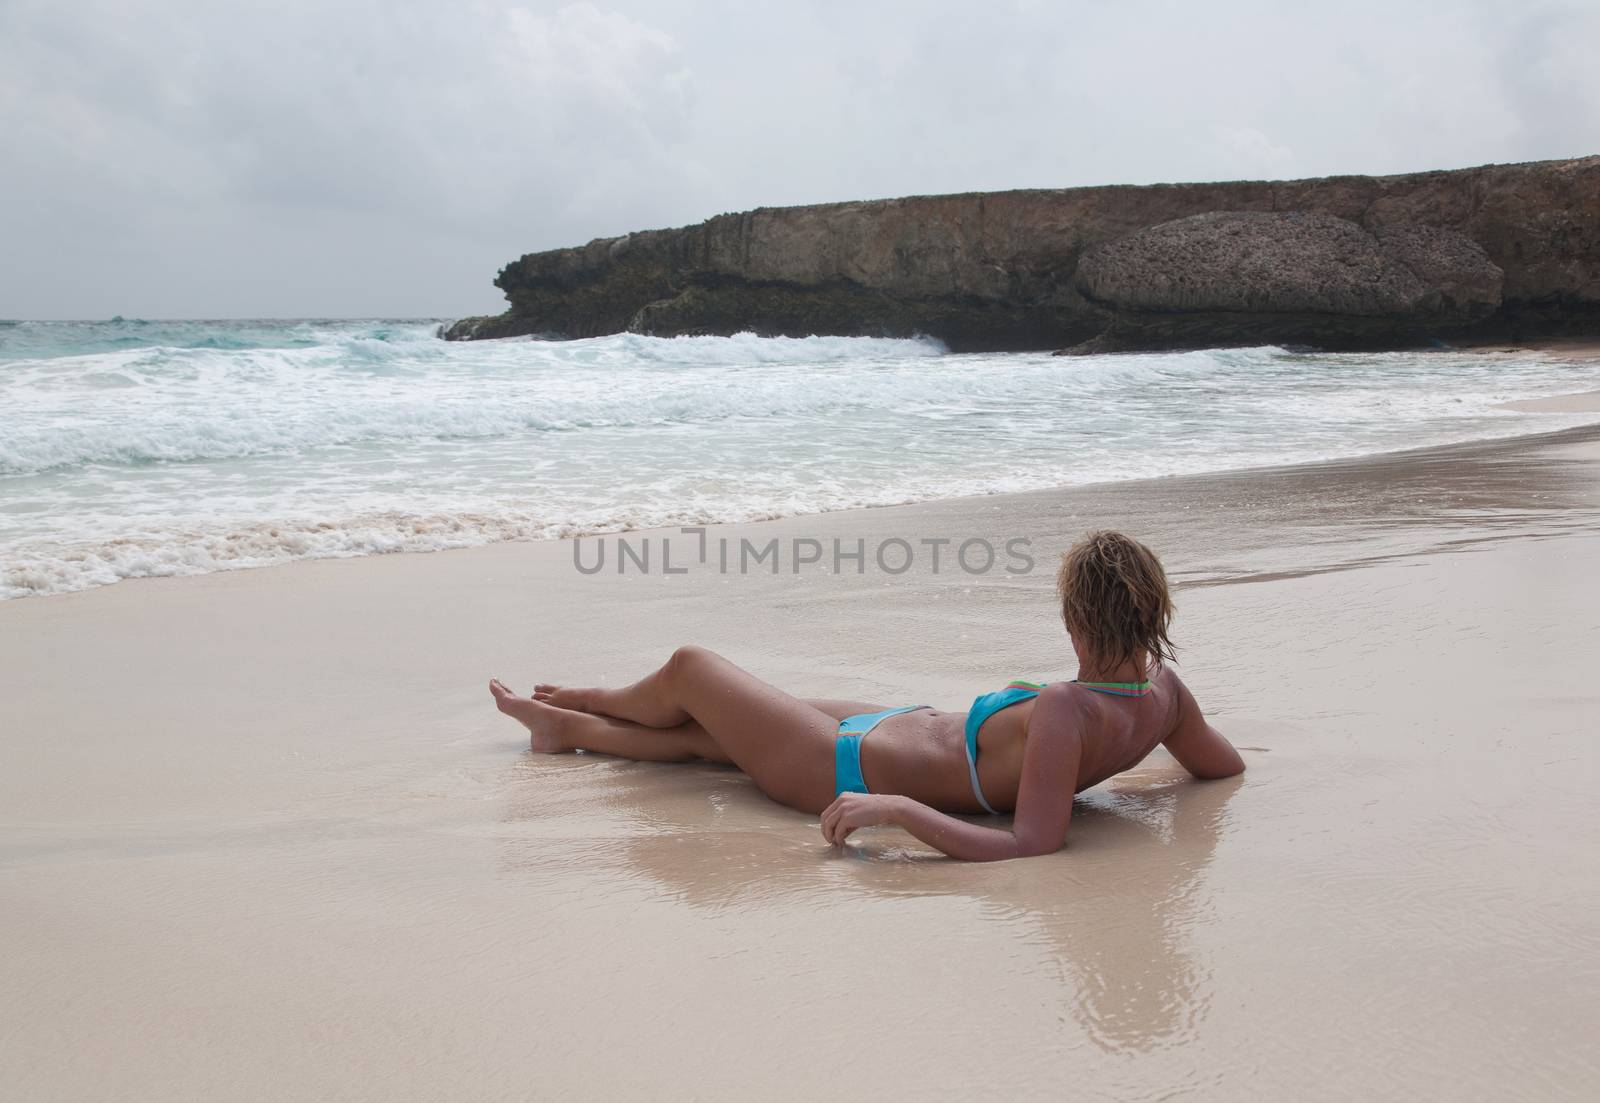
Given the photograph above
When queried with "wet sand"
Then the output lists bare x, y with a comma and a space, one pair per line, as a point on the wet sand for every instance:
262, 835
1584, 402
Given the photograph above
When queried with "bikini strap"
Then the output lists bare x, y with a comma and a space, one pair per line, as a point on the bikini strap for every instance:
1117, 689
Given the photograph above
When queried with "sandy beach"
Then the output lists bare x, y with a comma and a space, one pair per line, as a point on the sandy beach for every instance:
264, 837
362, 369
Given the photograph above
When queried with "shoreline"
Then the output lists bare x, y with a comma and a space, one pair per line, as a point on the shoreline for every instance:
1575, 403
68, 552
1579, 402
262, 833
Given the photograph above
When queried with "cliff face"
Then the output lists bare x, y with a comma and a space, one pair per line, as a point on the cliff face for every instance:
1502, 251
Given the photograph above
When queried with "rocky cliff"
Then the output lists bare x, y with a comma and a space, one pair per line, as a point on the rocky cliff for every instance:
1502, 252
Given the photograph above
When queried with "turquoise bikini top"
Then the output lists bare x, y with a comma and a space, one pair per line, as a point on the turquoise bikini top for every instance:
990, 703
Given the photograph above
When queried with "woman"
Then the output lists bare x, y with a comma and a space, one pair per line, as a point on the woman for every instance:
1025, 749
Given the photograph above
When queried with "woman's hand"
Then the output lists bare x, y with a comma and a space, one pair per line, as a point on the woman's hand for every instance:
852, 810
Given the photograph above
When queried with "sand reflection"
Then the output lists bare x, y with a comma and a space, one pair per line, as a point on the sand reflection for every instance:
1117, 913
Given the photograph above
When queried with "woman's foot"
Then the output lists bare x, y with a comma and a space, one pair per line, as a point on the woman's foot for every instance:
574, 698
543, 721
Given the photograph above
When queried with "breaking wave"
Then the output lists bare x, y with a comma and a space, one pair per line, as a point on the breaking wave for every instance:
140, 448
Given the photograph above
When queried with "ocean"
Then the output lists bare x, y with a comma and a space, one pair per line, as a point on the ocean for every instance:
132, 449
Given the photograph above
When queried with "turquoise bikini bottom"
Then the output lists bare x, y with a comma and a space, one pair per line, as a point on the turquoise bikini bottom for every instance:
847, 749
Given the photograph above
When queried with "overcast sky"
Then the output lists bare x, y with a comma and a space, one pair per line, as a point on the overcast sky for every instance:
227, 159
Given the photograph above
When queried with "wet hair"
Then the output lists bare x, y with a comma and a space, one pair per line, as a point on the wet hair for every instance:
1114, 599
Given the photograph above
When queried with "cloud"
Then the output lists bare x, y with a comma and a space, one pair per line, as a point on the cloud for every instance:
188, 158
1253, 147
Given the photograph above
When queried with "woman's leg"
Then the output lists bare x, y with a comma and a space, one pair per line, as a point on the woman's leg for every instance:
783, 743
553, 730
584, 699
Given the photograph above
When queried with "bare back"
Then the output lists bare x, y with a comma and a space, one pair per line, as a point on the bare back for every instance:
922, 754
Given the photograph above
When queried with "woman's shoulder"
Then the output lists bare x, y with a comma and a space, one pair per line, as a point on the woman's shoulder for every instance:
1068, 694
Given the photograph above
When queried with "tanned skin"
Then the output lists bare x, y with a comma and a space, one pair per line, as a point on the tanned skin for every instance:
1032, 757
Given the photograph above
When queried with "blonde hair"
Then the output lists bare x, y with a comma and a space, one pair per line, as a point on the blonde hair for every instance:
1114, 598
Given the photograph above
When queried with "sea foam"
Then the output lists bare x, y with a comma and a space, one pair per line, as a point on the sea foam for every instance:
134, 449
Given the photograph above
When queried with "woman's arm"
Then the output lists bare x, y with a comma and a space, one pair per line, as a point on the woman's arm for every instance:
1044, 799
956, 838
1198, 747
970, 842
